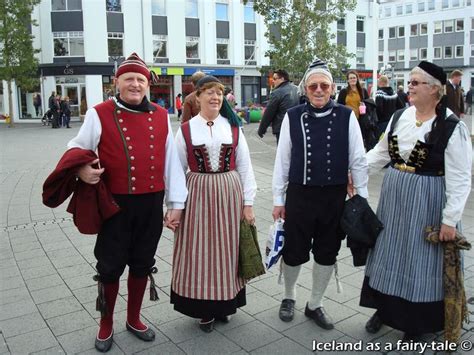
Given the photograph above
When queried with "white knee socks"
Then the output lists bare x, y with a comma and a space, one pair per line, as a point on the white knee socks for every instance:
290, 274
321, 276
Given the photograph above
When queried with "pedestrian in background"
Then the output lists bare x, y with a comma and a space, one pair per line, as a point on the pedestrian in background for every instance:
403, 96
37, 104
353, 95
469, 101
454, 93
66, 111
179, 105
427, 184
191, 105
387, 102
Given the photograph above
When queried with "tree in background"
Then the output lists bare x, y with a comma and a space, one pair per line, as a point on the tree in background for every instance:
299, 30
17, 61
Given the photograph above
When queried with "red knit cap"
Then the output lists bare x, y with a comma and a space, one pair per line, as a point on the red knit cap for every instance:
133, 64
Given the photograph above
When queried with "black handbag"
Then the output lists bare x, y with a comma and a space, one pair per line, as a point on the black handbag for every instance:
359, 222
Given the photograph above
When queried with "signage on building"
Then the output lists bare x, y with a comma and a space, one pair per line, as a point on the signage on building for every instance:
210, 71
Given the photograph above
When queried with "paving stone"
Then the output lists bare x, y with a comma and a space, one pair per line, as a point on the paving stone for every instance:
54, 245
306, 332
355, 328
181, 329
40, 271
212, 343
167, 348
252, 335
44, 282
11, 283
8, 272
130, 344
236, 320
22, 324
65, 261
77, 270
33, 263
34, 341
26, 246
81, 281
51, 294
86, 294
161, 313
282, 346
270, 317
70, 322
59, 307
79, 340
55, 350
14, 295
17, 309
259, 302
29, 254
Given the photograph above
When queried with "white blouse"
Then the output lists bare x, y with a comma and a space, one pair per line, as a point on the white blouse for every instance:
457, 159
212, 137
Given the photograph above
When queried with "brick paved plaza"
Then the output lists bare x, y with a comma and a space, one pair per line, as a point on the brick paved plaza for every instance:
47, 295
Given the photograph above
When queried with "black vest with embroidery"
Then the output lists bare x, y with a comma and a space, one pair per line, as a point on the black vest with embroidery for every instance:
425, 158
320, 144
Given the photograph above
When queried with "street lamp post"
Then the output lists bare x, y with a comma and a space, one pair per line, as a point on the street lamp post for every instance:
375, 14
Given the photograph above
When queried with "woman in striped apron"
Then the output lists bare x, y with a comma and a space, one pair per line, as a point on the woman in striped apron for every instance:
205, 282
427, 183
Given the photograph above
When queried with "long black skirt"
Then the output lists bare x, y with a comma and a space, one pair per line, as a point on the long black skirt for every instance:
206, 309
414, 318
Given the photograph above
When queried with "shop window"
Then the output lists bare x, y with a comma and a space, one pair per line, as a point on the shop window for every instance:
191, 8
459, 51
160, 47
459, 25
438, 27
249, 49
423, 53
115, 44
161, 93
448, 52
113, 5
222, 12
66, 5
68, 44
413, 54
222, 50
192, 47
437, 52
249, 13
158, 7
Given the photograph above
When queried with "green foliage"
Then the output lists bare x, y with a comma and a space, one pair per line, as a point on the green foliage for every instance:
299, 31
17, 61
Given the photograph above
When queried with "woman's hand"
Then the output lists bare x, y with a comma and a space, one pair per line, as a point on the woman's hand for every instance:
248, 215
172, 219
447, 233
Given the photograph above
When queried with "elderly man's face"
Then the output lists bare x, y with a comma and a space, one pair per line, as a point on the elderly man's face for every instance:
319, 89
132, 87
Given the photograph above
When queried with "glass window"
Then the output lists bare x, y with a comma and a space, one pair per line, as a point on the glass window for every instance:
448, 52
392, 32
115, 44
423, 53
401, 31
360, 55
448, 26
456, 3
472, 24
341, 24
68, 44
221, 12
381, 33
401, 55
413, 30
421, 6
249, 13
191, 8
158, 7
438, 26
437, 52
408, 8
459, 25
388, 11
413, 54
66, 5
431, 5
380, 56
113, 5
445, 4
249, 50
423, 28
392, 56
400, 10
160, 47
472, 50
192, 47
459, 51
222, 49
360, 24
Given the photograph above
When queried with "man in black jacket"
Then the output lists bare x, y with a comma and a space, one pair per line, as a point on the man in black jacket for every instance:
387, 102
283, 97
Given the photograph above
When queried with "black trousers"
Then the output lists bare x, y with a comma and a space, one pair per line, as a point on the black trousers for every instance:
313, 215
130, 237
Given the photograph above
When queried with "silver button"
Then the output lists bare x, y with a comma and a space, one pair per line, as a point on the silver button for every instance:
309, 153
152, 146
308, 178
124, 129
330, 122
305, 115
118, 111
328, 153
127, 138
152, 177
152, 157
132, 168
133, 188
152, 167
328, 170
333, 114
150, 128
329, 130
120, 120
329, 178
309, 170
306, 125
151, 112
309, 161
149, 119
308, 138
152, 136
328, 137
152, 187
132, 158
130, 147
329, 162
307, 131
309, 145
133, 178
328, 145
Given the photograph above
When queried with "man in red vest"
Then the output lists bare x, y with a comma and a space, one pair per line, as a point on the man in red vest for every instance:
138, 162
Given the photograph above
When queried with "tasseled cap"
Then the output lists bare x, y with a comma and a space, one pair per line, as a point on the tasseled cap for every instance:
134, 64
316, 67
433, 70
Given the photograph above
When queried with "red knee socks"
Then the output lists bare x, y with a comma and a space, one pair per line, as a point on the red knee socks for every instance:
136, 290
107, 322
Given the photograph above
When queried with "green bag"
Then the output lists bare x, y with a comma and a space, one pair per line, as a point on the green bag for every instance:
250, 258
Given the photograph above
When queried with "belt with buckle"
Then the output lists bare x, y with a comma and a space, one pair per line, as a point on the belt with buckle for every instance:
405, 168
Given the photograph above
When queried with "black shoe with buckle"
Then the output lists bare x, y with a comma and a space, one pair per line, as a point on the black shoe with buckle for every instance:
320, 316
287, 310
206, 325
374, 324
104, 345
146, 335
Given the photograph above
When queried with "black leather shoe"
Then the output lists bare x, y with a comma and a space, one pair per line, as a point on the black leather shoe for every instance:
146, 335
374, 324
287, 310
206, 325
223, 319
320, 316
104, 345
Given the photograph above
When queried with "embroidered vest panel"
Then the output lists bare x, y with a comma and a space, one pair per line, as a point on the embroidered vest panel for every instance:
425, 158
320, 146
198, 157
132, 148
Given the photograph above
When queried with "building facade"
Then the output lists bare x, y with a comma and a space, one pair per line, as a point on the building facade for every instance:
440, 31
82, 42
